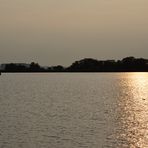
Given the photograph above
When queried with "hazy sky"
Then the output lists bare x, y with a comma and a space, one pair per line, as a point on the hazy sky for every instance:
55, 32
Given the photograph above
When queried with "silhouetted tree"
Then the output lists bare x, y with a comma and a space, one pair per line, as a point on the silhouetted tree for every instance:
15, 68
35, 67
58, 68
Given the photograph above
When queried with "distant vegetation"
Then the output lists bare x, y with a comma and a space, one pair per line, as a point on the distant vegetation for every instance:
128, 64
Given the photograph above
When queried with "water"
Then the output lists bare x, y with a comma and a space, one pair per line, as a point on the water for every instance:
82, 110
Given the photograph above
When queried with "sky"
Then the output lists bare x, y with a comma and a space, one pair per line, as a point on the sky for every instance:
53, 32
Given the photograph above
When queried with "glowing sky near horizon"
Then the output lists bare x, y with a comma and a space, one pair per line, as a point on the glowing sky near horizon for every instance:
55, 32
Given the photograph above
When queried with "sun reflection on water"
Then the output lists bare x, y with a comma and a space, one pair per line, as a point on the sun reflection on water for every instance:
133, 111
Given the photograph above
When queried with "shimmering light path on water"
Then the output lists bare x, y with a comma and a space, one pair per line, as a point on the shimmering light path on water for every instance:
81, 110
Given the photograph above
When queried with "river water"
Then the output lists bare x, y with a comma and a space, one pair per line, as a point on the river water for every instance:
74, 110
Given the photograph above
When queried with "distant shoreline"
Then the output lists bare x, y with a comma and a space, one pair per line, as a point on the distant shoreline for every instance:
87, 65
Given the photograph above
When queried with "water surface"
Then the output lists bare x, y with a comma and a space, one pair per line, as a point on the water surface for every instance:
74, 110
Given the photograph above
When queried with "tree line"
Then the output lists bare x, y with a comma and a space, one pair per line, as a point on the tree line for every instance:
128, 64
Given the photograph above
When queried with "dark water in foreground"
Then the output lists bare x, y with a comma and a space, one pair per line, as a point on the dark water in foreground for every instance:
74, 110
